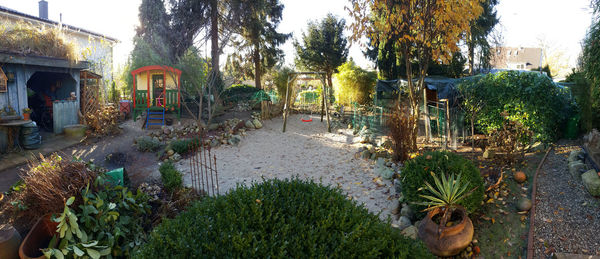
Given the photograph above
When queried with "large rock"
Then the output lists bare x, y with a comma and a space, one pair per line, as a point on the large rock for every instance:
410, 232
576, 168
257, 124
574, 155
591, 181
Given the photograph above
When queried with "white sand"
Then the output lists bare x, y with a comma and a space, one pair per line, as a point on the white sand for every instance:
306, 149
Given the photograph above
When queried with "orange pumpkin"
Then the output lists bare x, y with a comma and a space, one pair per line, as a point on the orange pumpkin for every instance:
520, 177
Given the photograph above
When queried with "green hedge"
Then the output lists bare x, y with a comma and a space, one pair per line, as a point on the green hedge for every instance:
528, 97
419, 170
241, 92
279, 219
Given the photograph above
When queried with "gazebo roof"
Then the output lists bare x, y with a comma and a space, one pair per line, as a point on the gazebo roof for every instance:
156, 67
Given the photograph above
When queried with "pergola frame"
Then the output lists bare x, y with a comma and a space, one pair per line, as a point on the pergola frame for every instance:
309, 76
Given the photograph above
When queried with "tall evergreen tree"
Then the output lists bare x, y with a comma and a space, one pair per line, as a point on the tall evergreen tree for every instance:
478, 37
323, 47
258, 21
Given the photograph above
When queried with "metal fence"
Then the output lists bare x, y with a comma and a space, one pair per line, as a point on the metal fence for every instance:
64, 113
203, 166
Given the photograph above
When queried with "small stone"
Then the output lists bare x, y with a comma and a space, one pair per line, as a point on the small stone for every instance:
213, 126
407, 212
404, 222
396, 209
365, 154
257, 124
574, 155
249, 124
176, 157
410, 232
397, 185
488, 154
170, 152
235, 140
524, 204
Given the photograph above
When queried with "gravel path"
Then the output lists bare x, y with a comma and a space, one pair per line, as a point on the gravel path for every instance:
305, 150
567, 217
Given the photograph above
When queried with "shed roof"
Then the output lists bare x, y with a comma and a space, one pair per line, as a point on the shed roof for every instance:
41, 61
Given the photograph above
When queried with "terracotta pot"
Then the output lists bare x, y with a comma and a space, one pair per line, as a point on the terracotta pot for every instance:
26, 116
38, 238
450, 240
9, 242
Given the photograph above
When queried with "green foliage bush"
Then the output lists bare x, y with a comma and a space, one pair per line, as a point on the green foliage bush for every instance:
419, 170
279, 219
238, 93
147, 144
184, 146
171, 178
110, 221
354, 84
529, 98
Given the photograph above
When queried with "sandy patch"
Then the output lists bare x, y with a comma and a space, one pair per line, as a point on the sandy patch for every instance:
307, 150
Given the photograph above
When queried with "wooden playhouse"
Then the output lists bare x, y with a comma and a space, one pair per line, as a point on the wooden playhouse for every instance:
156, 90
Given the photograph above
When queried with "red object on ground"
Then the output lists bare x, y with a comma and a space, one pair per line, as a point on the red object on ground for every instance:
125, 107
309, 120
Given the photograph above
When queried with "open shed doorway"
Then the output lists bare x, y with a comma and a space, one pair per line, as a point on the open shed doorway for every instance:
44, 88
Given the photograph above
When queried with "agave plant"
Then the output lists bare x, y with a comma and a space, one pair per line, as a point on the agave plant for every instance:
445, 195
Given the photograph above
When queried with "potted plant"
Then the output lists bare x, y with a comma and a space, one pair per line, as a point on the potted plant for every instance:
446, 230
26, 113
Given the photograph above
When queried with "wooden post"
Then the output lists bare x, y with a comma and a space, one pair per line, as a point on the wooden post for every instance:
449, 135
325, 94
285, 106
427, 118
323, 100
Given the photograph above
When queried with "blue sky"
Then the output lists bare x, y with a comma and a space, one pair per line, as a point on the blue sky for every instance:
561, 23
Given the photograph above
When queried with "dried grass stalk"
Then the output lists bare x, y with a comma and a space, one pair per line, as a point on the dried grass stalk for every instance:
50, 181
400, 134
26, 38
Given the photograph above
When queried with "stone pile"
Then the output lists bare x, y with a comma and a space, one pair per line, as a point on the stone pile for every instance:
580, 171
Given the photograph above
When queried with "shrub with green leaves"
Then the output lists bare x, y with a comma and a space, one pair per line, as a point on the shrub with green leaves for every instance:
422, 168
529, 98
109, 222
171, 178
184, 146
147, 144
279, 219
238, 93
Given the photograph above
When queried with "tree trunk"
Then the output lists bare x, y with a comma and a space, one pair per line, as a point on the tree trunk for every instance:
413, 102
330, 83
257, 72
471, 46
473, 133
214, 36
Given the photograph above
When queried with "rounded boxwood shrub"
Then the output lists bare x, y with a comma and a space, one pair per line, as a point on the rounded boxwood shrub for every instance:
419, 170
279, 219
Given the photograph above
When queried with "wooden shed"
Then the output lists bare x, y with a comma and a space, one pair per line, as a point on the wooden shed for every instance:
156, 88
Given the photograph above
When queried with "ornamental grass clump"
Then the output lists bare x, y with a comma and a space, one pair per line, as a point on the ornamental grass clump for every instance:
279, 219
446, 195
